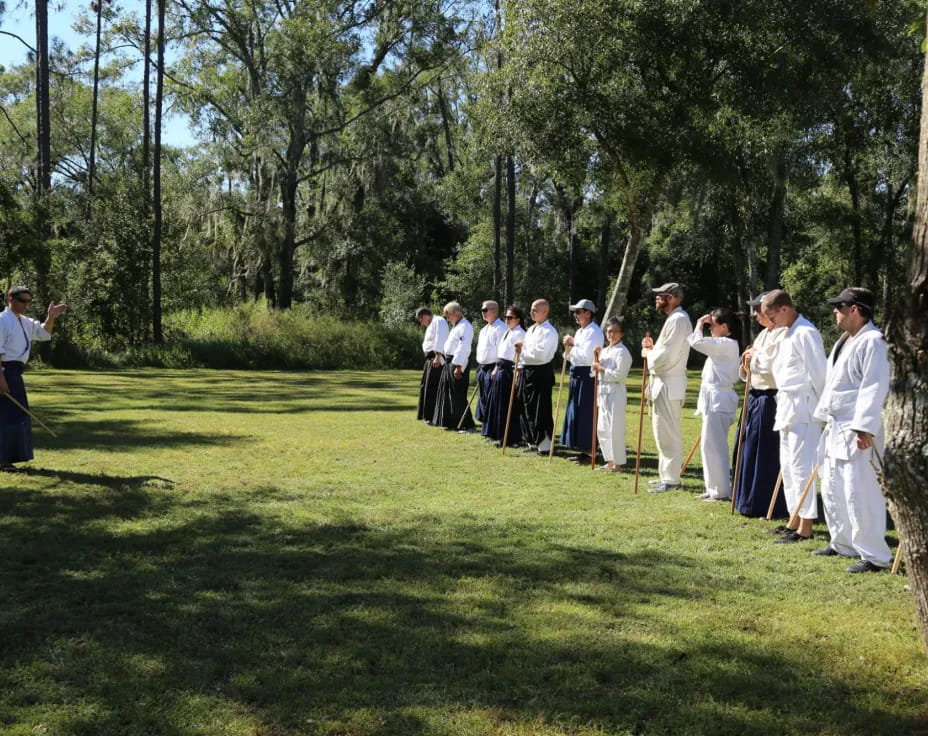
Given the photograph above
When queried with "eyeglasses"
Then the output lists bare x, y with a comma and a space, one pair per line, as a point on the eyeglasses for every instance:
511, 316
486, 309
841, 305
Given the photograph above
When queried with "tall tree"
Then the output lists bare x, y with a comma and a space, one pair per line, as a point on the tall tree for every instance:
157, 223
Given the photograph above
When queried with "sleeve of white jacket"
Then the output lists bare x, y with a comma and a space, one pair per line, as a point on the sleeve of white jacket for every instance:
665, 353
813, 350
874, 387
442, 335
714, 347
462, 346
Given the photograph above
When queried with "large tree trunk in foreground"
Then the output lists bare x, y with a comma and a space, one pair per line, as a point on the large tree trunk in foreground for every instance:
906, 462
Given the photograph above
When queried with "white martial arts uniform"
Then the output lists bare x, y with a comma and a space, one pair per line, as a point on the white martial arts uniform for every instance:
506, 350
459, 342
856, 387
610, 425
586, 340
798, 364
488, 341
667, 364
540, 345
436, 333
717, 403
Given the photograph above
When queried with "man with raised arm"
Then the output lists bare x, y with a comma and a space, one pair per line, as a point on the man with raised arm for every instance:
798, 367
851, 406
667, 365
17, 333
536, 379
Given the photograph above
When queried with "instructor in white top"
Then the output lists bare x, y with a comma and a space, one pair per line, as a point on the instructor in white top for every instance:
851, 407
667, 364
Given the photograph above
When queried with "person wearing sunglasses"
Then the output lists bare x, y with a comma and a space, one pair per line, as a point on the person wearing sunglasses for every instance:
577, 431
487, 346
536, 379
851, 406
494, 427
17, 333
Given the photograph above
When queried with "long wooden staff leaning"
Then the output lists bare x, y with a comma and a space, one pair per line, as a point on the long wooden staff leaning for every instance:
644, 379
469, 402
557, 406
897, 559
741, 431
773, 497
512, 396
794, 519
686, 463
33, 416
596, 352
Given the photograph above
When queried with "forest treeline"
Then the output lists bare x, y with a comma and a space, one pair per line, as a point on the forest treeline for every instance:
358, 159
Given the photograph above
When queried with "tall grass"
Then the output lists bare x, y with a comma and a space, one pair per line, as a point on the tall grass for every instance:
253, 336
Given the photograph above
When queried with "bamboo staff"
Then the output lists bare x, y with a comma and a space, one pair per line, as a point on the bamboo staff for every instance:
794, 519
469, 402
596, 352
557, 406
644, 378
689, 457
33, 416
512, 396
897, 559
776, 492
741, 430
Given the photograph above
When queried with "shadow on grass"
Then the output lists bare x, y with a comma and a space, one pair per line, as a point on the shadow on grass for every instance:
129, 612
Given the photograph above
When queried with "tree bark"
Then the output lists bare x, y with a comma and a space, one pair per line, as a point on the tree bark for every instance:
906, 463
605, 243
510, 226
619, 298
775, 223
92, 157
497, 226
157, 224
853, 188
43, 147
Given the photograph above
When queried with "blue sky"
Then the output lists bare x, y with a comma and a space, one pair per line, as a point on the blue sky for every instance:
19, 19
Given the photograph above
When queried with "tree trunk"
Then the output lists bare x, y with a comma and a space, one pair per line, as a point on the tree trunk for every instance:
146, 113
497, 226
775, 223
43, 148
906, 463
91, 160
510, 226
605, 241
446, 126
157, 224
619, 298
850, 178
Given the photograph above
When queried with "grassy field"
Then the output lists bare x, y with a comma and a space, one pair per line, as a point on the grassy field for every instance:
292, 553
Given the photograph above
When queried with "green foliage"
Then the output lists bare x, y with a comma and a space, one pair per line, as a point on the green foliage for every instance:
403, 291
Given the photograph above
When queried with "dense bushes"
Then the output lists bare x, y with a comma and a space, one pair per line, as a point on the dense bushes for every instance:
252, 336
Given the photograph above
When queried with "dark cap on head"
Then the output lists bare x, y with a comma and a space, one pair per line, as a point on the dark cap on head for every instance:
854, 296
672, 288
755, 302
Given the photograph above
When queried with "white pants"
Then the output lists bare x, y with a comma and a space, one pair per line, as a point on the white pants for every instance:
668, 435
715, 455
798, 453
854, 506
610, 426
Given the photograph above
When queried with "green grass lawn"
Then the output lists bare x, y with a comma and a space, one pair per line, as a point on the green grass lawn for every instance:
292, 553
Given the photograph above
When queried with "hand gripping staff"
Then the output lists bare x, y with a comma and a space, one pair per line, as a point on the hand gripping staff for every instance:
644, 379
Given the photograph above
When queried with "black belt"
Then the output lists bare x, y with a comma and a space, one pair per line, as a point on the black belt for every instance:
487, 366
13, 362
763, 392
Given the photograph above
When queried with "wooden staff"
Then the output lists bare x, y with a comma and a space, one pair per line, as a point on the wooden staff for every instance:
23, 408
776, 492
557, 406
596, 352
512, 396
897, 559
689, 457
741, 430
644, 378
794, 519
469, 402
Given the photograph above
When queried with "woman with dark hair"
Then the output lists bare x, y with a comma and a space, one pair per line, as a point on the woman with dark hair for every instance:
612, 363
494, 426
718, 401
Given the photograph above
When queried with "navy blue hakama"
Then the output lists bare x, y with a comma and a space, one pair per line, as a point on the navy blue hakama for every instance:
578, 418
494, 426
15, 424
484, 381
760, 458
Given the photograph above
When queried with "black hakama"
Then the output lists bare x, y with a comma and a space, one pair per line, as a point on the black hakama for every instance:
760, 458
484, 381
534, 391
451, 402
578, 418
15, 424
498, 406
428, 389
